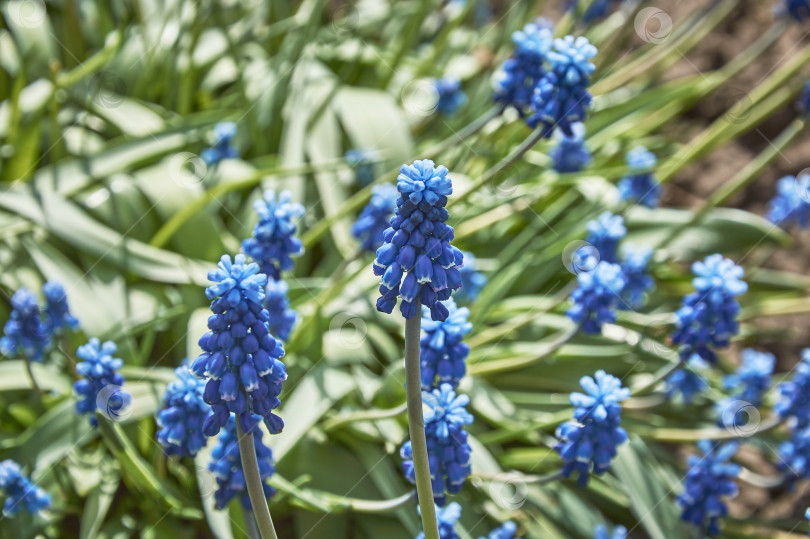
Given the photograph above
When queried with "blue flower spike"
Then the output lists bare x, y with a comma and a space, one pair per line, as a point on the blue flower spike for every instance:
274, 243
753, 377
282, 318
601, 532
183, 415
687, 381
794, 395
100, 385
363, 161
639, 185
638, 281
791, 205
447, 518
376, 216
519, 74
25, 335
604, 233
571, 154
472, 281
597, 296
20, 492
507, 530
799, 10
222, 146
450, 95
804, 99
58, 318
443, 355
710, 479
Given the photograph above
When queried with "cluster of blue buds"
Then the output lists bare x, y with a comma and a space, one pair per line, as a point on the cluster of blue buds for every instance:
794, 399
604, 233
794, 456
798, 9
752, 378
273, 243
240, 358
507, 530
448, 449
571, 154
446, 518
597, 296
590, 441
561, 97
450, 95
25, 334
416, 260
226, 465
640, 185
20, 492
707, 318
804, 99
472, 281
375, 217
183, 415
282, 318
442, 353
687, 381
222, 144
57, 313
100, 383
363, 161
791, 205
638, 282
601, 532
597, 10
520, 74
709, 479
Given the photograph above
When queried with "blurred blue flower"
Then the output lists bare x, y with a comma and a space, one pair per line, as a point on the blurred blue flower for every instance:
57, 314
794, 456
20, 491
100, 384
753, 376
638, 282
686, 381
472, 281
273, 242
601, 532
226, 465
416, 260
798, 9
709, 479
592, 438
519, 74
240, 358
640, 185
707, 318
507, 530
376, 216
448, 449
794, 399
442, 353
597, 296
363, 161
183, 415
451, 96
561, 97
447, 518
791, 205
25, 335
222, 144
598, 9
604, 233
281, 318
571, 154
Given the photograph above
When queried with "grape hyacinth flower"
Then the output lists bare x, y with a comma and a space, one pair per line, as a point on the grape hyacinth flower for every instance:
591, 440
561, 97
416, 260
791, 205
450, 95
20, 491
753, 377
183, 415
100, 384
686, 381
447, 518
362, 161
794, 456
226, 465
448, 449
282, 318
57, 313
571, 154
519, 74
640, 185
472, 281
222, 144
442, 353
25, 335
707, 318
794, 399
507, 530
709, 479
273, 242
240, 358
804, 99
375, 217
604, 233
598, 9
798, 9
597, 296
638, 282
601, 532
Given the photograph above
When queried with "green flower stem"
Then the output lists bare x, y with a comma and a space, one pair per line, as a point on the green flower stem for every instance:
247, 451
416, 427
326, 502
33, 380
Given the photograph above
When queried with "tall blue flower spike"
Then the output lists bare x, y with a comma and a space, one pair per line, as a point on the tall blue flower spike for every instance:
442, 353
222, 144
447, 518
472, 281
450, 95
362, 161
590, 441
226, 465
507, 530
804, 99
282, 318
753, 376
638, 282
707, 318
604, 233
416, 260
25, 335
794, 400
791, 205
57, 313
240, 358
710, 478
794, 456
601, 532
20, 492
571, 154
798, 9
687, 381
375, 217
273, 243
519, 74
183, 415
597, 296
448, 449
598, 9
100, 383
640, 185
561, 97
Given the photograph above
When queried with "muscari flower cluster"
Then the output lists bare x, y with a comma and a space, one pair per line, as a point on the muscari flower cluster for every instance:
222, 144
520, 74
507, 530
590, 441
183, 415
446, 518
240, 358
472, 281
752, 378
597, 296
561, 97
416, 260
273, 243
638, 282
597, 10
709, 479
362, 161
447, 445
442, 354
640, 185
282, 318
601, 532
791, 205
804, 99
375, 217
794, 406
450, 95
100, 383
687, 381
20, 491
226, 465
798, 9
571, 154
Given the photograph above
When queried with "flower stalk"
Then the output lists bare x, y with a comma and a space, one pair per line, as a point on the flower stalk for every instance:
247, 452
